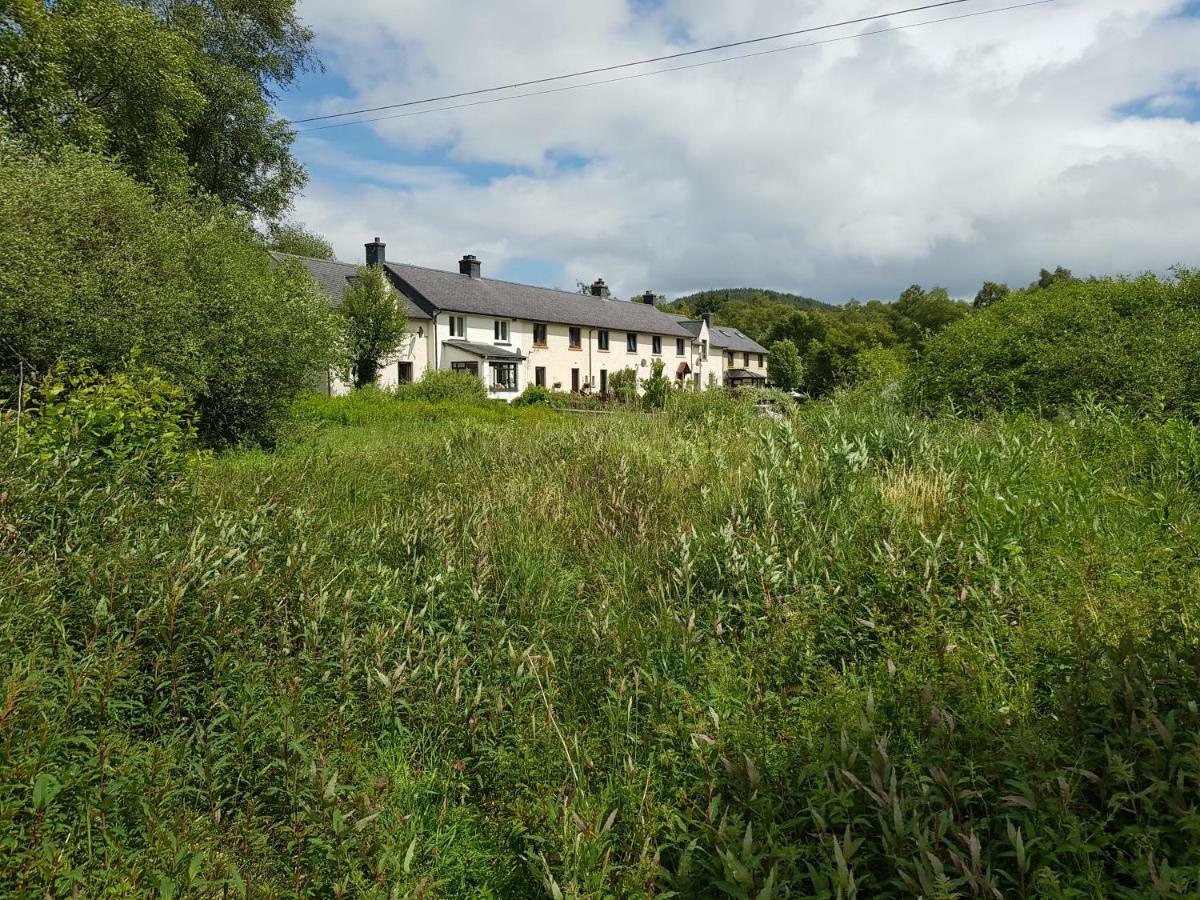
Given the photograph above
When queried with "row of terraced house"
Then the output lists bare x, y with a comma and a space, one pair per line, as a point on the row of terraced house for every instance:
513, 335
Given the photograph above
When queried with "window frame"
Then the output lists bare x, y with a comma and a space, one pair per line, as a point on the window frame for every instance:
679, 347
539, 376
602, 339
656, 344
545, 338
463, 368
494, 368
458, 327
631, 342
745, 359
574, 337
500, 330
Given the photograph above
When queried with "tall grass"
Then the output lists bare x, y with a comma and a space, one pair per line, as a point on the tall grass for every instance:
464, 651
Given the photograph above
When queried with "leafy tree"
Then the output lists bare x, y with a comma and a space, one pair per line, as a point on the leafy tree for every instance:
785, 366
294, 238
1131, 342
1047, 279
990, 293
374, 323
657, 387
95, 267
918, 314
180, 91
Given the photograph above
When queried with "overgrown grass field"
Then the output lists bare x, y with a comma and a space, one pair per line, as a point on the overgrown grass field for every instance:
427, 650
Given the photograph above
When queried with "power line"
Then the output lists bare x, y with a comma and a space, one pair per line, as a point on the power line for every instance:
711, 62
627, 65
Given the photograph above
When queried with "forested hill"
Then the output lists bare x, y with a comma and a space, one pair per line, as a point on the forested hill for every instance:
713, 301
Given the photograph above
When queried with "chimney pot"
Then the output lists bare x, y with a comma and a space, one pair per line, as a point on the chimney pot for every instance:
469, 265
376, 253
600, 289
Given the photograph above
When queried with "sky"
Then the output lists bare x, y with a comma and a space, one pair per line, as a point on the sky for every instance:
976, 150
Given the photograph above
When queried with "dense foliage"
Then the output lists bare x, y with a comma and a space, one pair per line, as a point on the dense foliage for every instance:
1131, 342
719, 300
374, 325
96, 268
294, 238
179, 91
784, 365
472, 650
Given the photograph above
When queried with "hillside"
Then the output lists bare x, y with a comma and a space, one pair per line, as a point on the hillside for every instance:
713, 301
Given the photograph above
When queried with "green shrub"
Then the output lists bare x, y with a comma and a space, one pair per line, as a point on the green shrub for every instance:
85, 425
657, 388
1131, 342
440, 386
535, 395
96, 267
622, 385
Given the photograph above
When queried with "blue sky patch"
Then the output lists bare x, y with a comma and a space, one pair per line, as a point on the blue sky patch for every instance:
1179, 104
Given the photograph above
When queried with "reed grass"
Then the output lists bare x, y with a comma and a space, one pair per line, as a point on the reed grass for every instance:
462, 651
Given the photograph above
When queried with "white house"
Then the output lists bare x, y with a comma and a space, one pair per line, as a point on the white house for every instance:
513, 335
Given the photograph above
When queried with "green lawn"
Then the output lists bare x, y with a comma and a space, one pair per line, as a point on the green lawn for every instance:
449, 651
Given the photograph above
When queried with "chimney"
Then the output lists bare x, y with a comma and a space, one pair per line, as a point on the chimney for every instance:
707, 317
648, 298
600, 289
469, 265
375, 253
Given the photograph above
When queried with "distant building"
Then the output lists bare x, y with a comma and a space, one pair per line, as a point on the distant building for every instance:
513, 335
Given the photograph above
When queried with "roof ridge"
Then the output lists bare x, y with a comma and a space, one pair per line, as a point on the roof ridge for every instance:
536, 287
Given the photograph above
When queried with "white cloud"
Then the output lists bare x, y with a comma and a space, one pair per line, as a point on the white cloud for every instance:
972, 150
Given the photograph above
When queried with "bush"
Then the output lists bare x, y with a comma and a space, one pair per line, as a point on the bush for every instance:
536, 395
440, 386
135, 422
657, 387
622, 385
95, 267
1132, 342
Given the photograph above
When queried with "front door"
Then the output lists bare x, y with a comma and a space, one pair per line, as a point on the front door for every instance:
604, 382
575, 381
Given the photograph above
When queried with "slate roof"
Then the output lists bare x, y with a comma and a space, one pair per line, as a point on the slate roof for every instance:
731, 339
723, 336
457, 293
484, 351
334, 276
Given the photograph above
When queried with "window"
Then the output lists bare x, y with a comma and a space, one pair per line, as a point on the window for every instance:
504, 376
573, 335
403, 372
539, 376
679, 346
631, 342
465, 368
745, 360
656, 345
539, 335
457, 327
501, 331
731, 357
602, 340
760, 360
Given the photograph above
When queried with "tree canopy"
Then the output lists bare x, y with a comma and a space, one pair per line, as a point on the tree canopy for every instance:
374, 324
98, 271
294, 238
179, 91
